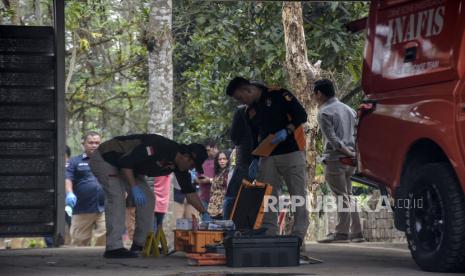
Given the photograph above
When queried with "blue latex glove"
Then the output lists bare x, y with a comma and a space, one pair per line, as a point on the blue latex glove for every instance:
71, 199
279, 136
253, 169
138, 195
205, 217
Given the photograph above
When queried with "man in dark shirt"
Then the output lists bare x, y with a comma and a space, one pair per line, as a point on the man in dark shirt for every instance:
241, 137
85, 195
123, 163
276, 111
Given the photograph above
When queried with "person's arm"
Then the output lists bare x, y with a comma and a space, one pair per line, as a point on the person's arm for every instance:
70, 168
71, 198
296, 115
327, 129
153, 147
238, 125
68, 186
253, 129
184, 181
129, 175
295, 111
203, 180
194, 200
127, 163
346, 151
137, 193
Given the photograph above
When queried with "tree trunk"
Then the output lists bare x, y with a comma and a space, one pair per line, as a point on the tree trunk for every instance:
160, 63
301, 74
15, 16
37, 12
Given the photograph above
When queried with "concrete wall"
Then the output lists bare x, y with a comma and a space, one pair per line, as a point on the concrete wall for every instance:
377, 226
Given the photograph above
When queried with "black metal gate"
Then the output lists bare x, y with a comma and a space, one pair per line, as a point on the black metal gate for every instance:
29, 136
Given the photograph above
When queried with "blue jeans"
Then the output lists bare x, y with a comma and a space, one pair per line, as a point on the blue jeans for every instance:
205, 204
228, 206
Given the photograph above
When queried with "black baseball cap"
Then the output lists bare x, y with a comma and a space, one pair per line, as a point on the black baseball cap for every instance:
199, 154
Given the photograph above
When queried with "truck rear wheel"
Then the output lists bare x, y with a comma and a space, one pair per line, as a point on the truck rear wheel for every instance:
436, 219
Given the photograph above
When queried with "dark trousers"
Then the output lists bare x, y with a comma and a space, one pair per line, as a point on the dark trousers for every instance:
240, 172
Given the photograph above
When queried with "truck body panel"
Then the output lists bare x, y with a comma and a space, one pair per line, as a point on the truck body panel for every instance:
414, 71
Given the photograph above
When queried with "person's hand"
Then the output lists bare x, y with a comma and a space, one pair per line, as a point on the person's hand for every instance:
352, 151
279, 136
138, 195
203, 180
348, 151
71, 199
253, 169
205, 217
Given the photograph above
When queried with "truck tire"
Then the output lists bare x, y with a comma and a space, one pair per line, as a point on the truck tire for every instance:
435, 219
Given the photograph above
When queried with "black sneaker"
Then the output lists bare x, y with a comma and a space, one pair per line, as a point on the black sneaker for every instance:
136, 248
357, 238
119, 253
335, 238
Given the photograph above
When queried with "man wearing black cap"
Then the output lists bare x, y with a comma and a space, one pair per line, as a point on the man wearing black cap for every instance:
122, 163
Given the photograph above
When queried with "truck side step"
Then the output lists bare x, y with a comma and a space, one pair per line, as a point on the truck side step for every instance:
369, 182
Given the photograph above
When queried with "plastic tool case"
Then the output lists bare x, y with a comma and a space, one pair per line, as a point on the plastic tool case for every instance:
250, 250
264, 251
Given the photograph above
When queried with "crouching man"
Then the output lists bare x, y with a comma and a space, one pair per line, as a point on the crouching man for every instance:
122, 164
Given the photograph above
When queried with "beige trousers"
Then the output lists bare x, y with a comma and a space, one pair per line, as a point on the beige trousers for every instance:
290, 167
67, 235
130, 221
184, 210
338, 175
115, 187
84, 226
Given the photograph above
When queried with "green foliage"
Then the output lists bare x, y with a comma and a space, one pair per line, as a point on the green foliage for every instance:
217, 41
28, 14
213, 43
108, 88
328, 40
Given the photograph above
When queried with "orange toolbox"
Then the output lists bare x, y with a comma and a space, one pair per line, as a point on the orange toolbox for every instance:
248, 212
195, 241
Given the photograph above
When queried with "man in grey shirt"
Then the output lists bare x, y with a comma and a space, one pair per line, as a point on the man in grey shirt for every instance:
337, 124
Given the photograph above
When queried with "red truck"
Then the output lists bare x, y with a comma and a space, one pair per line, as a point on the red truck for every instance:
411, 132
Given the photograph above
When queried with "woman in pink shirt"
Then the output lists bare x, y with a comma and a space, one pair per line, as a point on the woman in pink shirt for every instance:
161, 188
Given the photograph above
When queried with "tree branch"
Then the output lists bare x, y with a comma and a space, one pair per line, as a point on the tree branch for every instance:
72, 65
